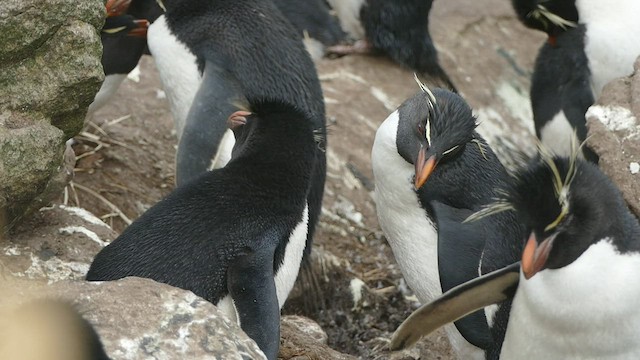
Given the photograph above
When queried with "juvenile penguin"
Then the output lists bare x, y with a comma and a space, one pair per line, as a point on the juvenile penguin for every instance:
399, 29
575, 289
432, 170
236, 235
247, 40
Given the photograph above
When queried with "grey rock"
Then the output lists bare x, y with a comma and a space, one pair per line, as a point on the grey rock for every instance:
50, 55
57, 243
614, 134
142, 319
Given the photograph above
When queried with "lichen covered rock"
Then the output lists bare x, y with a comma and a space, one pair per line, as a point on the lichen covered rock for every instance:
614, 134
50, 58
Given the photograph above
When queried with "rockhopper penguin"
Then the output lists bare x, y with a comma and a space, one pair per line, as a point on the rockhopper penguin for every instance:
590, 44
575, 288
199, 45
432, 170
236, 235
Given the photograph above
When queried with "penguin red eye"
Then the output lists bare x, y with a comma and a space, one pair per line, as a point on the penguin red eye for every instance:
421, 129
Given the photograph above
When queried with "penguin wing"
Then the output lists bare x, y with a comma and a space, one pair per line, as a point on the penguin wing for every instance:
218, 97
460, 247
250, 280
460, 301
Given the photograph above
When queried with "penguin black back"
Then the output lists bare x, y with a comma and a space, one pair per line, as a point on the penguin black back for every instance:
267, 55
264, 53
226, 233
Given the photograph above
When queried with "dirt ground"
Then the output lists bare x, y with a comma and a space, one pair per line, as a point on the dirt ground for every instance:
126, 154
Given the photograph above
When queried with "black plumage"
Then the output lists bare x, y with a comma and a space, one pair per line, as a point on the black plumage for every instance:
250, 41
313, 18
225, 232
400, 29
535, 14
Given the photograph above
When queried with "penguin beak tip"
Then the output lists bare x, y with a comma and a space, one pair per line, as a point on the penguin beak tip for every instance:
424, 168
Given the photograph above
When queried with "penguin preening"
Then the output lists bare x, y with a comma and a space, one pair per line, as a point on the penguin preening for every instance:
247, 40
575, 289
48, 330
399, 29
432, 171
590, 44
236, 235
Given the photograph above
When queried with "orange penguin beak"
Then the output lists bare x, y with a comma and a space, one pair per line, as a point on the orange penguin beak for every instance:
424, 168
534, 256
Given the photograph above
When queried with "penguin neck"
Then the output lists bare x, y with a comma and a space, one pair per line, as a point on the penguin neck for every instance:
585, 309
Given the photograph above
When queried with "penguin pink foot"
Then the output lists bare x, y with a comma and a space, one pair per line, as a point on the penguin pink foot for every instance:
358, 47
238, 118
117, 7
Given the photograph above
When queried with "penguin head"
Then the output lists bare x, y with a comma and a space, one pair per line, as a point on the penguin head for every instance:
551, 17
566, 205
433, 128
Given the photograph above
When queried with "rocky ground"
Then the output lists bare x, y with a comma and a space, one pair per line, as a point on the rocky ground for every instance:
126, 164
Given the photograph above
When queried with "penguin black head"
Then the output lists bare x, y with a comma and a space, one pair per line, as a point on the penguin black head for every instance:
567, 205
553, 17
434, 127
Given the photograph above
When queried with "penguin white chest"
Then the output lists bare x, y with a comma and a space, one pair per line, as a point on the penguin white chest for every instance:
611, 40
585, 310
178, 70
411, 234
288, 271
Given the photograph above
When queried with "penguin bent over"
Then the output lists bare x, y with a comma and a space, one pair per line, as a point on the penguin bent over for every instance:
236, 235
209, 54
574, 290
432, 171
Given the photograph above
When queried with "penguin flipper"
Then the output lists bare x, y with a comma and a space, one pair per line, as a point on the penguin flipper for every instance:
218, 97
456, 303
460, 248
251, 284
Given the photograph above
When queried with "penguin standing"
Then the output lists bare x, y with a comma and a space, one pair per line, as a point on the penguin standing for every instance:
262, 51
432, 171
561, 92
234, 236
123, 43
590, 43
575, 289
399, 29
